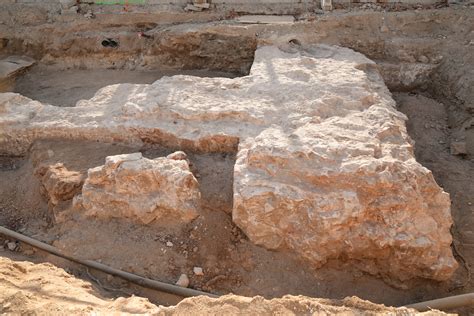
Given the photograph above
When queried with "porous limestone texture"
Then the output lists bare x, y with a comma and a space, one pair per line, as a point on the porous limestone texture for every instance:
324, 167
58, 183
131, 186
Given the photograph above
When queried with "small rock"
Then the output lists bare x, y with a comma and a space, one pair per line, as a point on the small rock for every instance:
169, 244
178, 155
423, 59
458, 148
89, 15
12, 246
71, 10
202, 5
183, 280
191, 7
195, 249
198, 271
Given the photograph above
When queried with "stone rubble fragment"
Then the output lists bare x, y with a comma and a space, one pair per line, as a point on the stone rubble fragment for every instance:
58, 183
183, 280
131, 186
198, 271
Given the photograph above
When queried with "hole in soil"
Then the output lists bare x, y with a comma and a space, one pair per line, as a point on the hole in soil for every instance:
110, 43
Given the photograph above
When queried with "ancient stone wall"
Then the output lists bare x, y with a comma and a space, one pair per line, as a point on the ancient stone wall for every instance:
325, 167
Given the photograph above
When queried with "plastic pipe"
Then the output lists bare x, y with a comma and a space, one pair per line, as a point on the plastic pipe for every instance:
445, 303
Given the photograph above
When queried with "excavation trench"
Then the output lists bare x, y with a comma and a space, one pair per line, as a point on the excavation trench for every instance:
24, 208
435, 110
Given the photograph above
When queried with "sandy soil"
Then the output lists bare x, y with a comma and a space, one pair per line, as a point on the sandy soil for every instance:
31, 289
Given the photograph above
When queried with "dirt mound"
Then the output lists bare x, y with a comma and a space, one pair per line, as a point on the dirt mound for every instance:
31, 289
287, 305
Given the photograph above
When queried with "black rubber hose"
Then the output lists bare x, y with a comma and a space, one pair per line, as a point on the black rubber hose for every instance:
142, 281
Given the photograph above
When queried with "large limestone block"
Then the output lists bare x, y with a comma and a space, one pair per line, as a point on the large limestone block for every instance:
341, 192
131, 186
343, 182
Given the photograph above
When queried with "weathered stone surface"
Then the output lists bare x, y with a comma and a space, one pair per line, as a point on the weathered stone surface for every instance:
143, 189
78, 297
58, 183
365, 199
324, 166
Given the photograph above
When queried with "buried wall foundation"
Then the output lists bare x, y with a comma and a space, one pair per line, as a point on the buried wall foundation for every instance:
280, 200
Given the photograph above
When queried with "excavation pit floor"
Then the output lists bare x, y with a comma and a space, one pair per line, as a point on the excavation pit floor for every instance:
64, 87
230, 261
